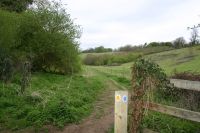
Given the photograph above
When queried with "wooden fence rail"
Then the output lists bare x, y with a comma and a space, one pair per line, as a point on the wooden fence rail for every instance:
177, 112
186, 84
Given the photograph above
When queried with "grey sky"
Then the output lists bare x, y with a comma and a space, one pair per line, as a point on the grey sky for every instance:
113, 23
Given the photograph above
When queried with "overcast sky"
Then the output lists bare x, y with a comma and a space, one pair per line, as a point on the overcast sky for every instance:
113, 23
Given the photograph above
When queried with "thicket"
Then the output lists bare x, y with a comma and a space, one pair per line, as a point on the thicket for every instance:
44, 35
110, 59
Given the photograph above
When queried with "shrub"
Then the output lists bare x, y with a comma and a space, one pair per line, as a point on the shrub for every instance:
44, 35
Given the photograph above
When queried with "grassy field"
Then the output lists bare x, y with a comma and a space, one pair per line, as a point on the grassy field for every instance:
51, 99
179, 60
186, 59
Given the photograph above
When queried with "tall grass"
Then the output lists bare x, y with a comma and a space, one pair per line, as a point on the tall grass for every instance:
48, 100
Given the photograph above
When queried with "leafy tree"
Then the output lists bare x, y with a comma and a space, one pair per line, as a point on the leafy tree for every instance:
15, 5
166, 44
153, 44
179, 42
49, 37
45, 35
194, 37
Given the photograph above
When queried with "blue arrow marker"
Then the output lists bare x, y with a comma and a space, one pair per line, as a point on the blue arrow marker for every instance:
125, 99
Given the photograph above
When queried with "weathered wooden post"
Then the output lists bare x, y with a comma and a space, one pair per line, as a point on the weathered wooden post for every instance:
121, 111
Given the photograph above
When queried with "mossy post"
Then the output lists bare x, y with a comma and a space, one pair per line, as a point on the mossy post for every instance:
146, 76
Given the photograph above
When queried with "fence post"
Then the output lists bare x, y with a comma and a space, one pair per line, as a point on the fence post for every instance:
121, 111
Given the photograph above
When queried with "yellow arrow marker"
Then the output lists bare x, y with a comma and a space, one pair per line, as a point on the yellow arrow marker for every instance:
118, 98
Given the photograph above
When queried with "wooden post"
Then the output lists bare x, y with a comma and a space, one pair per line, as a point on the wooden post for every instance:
121, 111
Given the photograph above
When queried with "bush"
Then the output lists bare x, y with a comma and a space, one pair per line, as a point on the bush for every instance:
45, 35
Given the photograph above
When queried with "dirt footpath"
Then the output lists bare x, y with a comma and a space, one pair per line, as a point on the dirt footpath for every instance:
101, 119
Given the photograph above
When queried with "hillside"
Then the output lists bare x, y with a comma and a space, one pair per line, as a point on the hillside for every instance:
179, 60
185, 59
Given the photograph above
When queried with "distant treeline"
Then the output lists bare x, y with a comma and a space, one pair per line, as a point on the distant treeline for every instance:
179, 42
99, 49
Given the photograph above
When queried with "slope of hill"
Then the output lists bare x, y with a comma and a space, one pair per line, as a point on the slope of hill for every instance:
186, 59
178, 60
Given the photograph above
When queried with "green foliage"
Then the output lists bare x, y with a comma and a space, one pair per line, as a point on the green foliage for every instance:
7, 70
111, 129
144, 69
109, 59
15, 5
179, 42
44, 35
8, 30
51, 39
168, 124
48, 101
194, 40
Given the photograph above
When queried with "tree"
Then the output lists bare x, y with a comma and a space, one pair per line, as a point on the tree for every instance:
44, 35
194, 37
15, 5
48, 36
179, 42
153, 44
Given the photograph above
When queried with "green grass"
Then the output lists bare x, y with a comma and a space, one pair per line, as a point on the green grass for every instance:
122, 80
111, 129
180, 60
48, 101
168, 124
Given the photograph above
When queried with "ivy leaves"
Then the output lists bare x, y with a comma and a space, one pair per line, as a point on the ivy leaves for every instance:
145, 69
